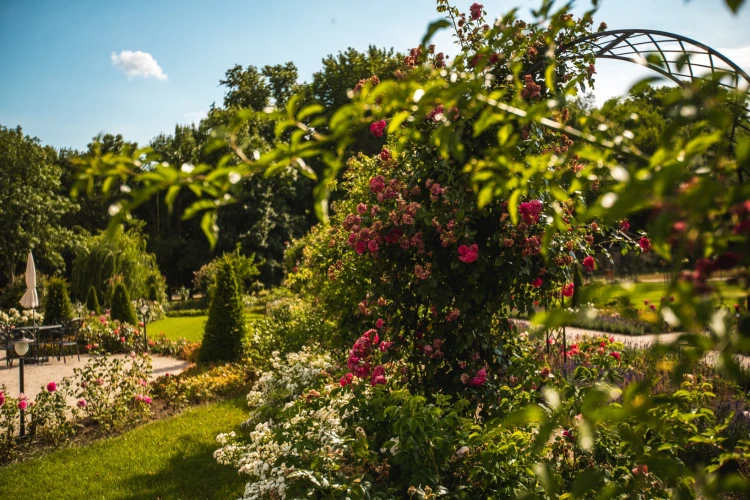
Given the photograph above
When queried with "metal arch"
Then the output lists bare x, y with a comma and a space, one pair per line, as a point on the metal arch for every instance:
669, 55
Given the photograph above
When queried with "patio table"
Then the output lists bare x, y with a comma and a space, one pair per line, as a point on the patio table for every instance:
35, 333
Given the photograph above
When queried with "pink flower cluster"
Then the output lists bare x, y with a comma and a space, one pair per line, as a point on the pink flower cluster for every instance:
476, 11
359, 355
377, 128
143, 399
530, 211
479, 379
589, 264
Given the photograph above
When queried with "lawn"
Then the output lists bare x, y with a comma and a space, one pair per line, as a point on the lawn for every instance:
171, 458
655, 291
188, 327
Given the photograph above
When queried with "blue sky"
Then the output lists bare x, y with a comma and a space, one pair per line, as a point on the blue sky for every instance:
60, 84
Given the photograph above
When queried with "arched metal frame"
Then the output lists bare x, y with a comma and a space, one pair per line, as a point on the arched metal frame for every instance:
675, 57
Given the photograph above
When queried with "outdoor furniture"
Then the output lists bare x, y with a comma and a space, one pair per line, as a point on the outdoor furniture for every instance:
35, 331
6, 345
69, 337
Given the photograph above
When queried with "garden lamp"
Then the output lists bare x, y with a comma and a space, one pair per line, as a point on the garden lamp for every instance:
21, 348
144, 317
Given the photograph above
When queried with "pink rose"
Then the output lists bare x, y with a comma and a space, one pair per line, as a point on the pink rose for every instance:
468, 254
51, 387
81, 403
567, 289
589, 263
377, 128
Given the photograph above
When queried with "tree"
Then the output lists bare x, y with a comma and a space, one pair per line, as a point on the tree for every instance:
57, 306
92, 301
122, 309
32, 205
225, 326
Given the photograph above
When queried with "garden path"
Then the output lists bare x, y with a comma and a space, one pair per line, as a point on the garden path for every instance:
640, 341
36, 377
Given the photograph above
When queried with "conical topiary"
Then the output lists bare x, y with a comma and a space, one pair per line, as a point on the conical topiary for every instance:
225, 327
92, 301
57, 306
122, 309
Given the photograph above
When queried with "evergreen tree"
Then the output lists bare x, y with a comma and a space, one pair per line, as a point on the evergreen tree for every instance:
92, 301
225, 327
122, 309
577, 286
57, 306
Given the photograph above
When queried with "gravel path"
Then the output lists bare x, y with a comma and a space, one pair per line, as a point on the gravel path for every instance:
36, 376
642, 341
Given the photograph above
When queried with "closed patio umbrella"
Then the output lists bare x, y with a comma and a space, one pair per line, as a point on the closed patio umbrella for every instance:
30, 299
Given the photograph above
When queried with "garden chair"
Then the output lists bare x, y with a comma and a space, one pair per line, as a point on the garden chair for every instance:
6, 343
69, 338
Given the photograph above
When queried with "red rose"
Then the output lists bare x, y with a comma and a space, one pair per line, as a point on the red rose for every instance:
615, 355
377, 184
468, 254
567, 289
624, 225
377, 128
589, 263
645, 244
537, 283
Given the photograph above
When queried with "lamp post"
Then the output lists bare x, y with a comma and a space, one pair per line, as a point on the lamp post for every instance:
144, 317
21, 347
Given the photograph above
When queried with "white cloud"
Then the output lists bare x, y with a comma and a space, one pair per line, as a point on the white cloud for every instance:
196, 116
138, 63
739, 56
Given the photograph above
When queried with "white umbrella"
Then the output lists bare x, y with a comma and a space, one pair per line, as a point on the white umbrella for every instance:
30, 299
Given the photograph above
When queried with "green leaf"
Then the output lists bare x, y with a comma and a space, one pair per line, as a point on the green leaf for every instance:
432, 29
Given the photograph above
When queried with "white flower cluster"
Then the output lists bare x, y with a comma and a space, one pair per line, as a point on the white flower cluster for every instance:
265, 457
15, 318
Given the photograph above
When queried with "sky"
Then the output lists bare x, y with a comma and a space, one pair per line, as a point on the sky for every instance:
71, 70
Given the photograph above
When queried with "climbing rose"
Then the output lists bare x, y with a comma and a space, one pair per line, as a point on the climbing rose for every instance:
22, 405
615, 355
51, 387
476, 11
377, 184
379, 323
377, 128
346, 380
624, 225
567, 290
530, 211
360, 247
589, 264
81, 403
468, 254
479, 379
537, 283
361, 208
378, 376
645, 244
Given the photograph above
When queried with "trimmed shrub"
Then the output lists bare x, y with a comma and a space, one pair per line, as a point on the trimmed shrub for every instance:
122, 308
578, 286
92, 301
57, 306
225, 327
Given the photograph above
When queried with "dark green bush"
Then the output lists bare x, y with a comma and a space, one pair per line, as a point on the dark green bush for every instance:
12, 293
577, 286
57, 306
92, 301
122, 308
225, 327
245, 269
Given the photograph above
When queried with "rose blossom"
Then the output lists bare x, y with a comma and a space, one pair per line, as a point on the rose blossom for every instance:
377, 128
468, 254
567, 289
379, 323
81, 403
346, 379
476, 11
479, 379
589, 263
51, 387
624, 225
537, 283
615, 355
377, 184
645, 244
2, 398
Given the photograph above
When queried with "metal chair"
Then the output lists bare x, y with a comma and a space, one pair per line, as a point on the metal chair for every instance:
6, 342
69, 338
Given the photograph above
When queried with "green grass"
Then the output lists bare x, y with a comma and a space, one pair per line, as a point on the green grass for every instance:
187, 327
655, 291
171, 458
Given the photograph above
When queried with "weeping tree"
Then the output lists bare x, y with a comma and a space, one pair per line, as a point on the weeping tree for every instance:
107, 258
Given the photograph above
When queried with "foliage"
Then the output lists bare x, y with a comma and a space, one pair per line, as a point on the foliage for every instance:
201, 384
245, 266
10, 296
122, 308
57, 306
102, 334
225, 326
32, 205
92, 301
287, 326
110, 258
482, 200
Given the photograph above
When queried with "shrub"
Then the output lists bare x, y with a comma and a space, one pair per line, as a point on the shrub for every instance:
578, 286
57, 306
225, 327
10, 296
92, 301
122, 309
245, 268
